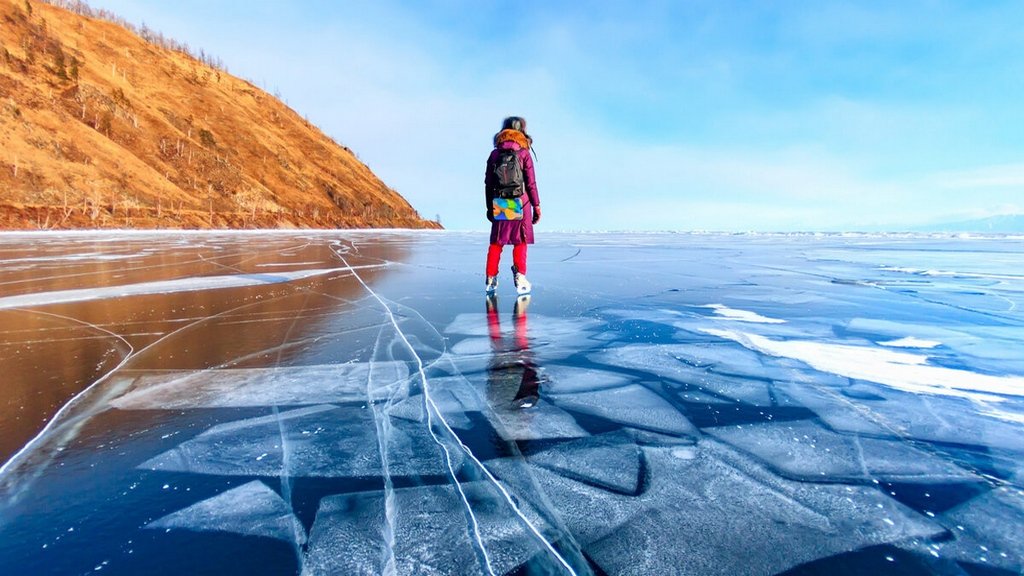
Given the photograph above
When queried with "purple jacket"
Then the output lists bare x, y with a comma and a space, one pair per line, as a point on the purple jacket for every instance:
513, 231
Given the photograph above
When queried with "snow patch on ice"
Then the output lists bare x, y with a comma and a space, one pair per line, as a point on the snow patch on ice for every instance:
902, 370
742, 315
191, 284
882, 411
70, 257
1004, 415
948, 273
910, 342
285, 264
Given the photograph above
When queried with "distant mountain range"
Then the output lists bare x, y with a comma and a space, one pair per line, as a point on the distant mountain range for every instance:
106, 127
1005, 224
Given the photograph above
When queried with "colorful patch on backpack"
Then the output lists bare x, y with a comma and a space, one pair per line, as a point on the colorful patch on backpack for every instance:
507, 208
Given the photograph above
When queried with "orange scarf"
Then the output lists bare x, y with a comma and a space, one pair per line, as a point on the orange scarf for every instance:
513, 136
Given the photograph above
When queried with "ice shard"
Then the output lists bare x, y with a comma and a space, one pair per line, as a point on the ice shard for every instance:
284, 386
318, 441
252, 509
632, 405
803, 450
425, 530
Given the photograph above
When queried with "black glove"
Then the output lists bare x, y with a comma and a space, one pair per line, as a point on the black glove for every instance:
536, 214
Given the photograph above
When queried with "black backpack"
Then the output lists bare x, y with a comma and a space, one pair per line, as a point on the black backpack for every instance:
508, 174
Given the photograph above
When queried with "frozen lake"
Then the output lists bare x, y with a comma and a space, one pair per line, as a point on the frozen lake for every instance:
351, 403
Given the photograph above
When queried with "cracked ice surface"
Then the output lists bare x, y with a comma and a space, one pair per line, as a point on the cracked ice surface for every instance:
259, 387
322, 441
708, 497
631, 405
345, 540
252, 509
804, 450
350, 403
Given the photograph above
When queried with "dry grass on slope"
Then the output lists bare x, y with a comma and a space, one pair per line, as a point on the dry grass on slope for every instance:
100, 128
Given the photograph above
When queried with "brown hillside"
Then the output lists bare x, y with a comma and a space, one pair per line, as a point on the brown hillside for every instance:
100, 128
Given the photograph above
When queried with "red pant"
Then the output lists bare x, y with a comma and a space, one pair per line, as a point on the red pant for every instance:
494, 258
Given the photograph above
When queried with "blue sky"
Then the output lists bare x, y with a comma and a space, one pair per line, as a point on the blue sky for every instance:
672, 115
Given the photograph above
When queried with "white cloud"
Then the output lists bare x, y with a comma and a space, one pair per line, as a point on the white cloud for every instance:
1001, 176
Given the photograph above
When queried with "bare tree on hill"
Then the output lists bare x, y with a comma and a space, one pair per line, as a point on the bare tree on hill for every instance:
146, 33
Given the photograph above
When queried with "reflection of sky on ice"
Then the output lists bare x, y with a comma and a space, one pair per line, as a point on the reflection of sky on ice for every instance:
348, 403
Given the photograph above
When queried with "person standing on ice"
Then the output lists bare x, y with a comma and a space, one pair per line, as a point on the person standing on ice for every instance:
513, 206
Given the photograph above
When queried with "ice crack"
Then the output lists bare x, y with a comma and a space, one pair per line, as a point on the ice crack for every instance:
432, 411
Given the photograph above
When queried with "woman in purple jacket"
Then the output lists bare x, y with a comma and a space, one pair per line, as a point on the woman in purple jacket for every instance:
518, 233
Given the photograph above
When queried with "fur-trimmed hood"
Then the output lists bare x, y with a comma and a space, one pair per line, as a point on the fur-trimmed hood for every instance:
510, 135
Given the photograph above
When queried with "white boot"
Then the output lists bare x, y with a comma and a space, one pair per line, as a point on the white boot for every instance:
522, 284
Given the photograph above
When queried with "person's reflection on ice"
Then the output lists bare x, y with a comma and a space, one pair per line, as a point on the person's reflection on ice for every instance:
512, 364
